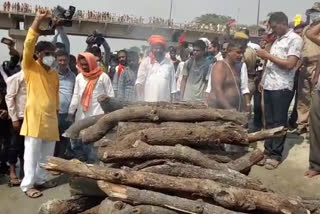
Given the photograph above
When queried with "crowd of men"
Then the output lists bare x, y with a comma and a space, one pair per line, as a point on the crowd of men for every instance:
112, 17
45, 89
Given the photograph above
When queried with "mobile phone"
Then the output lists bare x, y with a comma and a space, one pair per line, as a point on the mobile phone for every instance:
8, 42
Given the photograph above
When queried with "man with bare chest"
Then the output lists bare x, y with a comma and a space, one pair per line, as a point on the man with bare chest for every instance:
226, 79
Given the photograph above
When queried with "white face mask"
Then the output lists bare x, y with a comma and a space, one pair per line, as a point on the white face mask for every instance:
48, 60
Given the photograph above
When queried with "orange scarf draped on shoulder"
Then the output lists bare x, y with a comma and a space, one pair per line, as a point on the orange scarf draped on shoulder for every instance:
92, 76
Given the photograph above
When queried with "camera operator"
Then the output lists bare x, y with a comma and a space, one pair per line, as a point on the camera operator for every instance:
12, 66
65, 42
94, 41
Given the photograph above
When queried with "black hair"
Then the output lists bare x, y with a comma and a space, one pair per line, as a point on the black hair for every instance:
278, 18
246, 31
200, 44
95, 50
72, 58
235, 43
133, 54
62, 53
44, 45
60, 45
215, 43
184, 45
123, 51
171, 48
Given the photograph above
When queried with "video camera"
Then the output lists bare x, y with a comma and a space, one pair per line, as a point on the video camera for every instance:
64, 16
95, 38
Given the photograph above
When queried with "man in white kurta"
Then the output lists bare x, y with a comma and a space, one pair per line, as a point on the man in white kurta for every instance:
156, 75
91, 82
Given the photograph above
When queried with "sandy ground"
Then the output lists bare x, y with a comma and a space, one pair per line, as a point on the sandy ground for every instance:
288, 179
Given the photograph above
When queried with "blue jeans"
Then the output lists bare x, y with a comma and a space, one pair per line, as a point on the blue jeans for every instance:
277, 104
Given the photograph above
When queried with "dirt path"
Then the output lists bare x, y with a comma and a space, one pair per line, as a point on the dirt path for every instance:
288, 179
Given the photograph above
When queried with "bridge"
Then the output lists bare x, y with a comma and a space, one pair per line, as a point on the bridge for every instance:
13, 21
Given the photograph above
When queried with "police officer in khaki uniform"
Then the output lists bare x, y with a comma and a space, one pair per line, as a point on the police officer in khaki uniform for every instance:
310, 56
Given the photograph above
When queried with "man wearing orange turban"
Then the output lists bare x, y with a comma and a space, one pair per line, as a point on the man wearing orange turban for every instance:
156, 75
91, 82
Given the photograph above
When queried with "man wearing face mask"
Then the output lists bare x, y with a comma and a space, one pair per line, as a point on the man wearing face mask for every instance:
156, 74
40, 125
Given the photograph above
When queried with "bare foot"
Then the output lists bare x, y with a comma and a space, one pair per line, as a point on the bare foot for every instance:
311, 173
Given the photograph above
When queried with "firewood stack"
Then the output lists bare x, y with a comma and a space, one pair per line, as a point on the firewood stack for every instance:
160, 158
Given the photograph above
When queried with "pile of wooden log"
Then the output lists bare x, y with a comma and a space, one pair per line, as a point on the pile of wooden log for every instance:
166, 159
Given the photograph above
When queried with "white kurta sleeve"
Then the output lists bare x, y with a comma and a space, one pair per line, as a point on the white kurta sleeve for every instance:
244, 79
75, 97
173, 83
12, 91
142, 72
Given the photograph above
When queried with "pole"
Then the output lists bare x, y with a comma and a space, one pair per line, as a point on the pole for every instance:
258, 15
170, 15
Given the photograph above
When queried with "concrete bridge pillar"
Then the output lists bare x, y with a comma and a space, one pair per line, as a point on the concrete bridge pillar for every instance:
19, 36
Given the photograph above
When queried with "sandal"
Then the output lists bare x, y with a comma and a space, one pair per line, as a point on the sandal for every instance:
263, 161
271, 164
33, 193
47, 185
14, 182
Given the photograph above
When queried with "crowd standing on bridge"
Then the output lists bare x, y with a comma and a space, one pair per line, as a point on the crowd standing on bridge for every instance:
112, 17
45, 89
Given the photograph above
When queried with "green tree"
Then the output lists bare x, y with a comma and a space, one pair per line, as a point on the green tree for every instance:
213, 19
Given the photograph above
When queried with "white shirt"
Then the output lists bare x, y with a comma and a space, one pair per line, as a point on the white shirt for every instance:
243, 80
16, 96
157, 79
254, 46
103, 86
276, 78
179, 75
219, 56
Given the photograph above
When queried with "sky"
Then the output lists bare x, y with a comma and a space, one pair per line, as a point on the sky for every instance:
245, 11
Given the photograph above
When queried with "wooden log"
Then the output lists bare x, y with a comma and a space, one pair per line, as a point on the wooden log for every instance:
245, 162
110, 104
143, 151
74, 130
118, 207
93, 210
154, 114
125, 128
188, 134
268, 133
80, 186
74, 205
109, 206
312, 205
159, 199
227, 196
148, 209
221, 156
230, 177
151, 163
